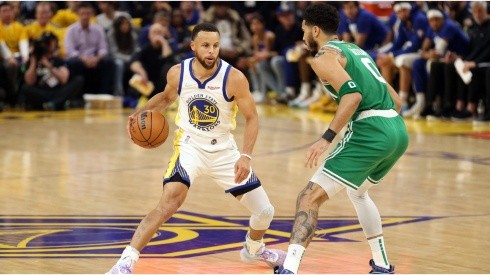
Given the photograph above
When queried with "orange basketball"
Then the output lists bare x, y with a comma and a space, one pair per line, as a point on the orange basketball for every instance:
149, 129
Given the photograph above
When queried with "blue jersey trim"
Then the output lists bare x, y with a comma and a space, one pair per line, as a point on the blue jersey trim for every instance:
182, 68
203, 85
225, 78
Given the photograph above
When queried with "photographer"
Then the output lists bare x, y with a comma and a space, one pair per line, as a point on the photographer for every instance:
47, 84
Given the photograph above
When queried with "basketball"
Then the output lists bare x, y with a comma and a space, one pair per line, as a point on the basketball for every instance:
149, 129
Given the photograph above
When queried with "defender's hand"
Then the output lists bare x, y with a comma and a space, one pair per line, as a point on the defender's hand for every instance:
315, 151
242, 169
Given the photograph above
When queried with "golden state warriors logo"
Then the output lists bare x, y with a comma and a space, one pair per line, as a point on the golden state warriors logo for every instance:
203, 112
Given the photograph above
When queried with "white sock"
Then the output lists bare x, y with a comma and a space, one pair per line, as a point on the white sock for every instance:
253, 246
305, 88
293, 259
130, 253
379, 252
420, 99
403, 97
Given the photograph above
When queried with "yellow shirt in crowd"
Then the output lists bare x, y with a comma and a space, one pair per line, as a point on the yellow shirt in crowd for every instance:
12, 35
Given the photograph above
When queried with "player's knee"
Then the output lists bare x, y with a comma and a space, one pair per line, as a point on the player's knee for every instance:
262, 220
356, 196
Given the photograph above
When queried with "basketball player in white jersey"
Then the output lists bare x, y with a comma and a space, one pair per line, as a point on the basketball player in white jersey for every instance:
211, 92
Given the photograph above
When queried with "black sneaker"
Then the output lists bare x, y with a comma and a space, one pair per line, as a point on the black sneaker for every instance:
380, 270
281, 270
461, 115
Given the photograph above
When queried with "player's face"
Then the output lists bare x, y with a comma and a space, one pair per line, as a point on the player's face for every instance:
206, 48
436, 23
308, 39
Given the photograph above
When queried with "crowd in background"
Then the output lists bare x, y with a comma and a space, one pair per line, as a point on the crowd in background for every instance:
435, 54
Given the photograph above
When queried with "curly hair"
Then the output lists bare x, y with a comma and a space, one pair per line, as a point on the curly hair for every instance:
325, 16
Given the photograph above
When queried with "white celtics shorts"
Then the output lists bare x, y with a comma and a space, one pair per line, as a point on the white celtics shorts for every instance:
196, 155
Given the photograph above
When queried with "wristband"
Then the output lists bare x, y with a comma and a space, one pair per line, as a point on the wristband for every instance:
329, 135
247, 156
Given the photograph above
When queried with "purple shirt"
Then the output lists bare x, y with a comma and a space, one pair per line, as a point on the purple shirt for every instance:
90, 42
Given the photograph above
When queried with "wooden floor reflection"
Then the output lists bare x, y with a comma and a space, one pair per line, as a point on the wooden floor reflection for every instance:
80, 163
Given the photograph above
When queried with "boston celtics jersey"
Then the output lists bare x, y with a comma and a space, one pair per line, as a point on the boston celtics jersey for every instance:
362, 69
204, 108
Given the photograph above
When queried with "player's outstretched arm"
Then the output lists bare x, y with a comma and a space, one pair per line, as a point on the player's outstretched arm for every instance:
238, 87
162, 100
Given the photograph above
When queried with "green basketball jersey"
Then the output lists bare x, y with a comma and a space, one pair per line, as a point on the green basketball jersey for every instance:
362, 69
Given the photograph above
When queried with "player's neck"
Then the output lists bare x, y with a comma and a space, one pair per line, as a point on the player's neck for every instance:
327, 38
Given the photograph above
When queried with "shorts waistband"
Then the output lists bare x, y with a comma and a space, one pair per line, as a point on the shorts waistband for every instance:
383, 113
204, 139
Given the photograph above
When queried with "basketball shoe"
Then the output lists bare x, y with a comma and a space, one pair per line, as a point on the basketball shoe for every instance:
380, 270
125, 265
272, 257
281, 270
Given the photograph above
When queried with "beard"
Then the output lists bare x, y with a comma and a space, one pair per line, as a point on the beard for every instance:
202, 61
312, 45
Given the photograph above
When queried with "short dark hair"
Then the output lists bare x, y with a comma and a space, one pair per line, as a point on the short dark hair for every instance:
6, 4
85, 5
325, 16
356, 3
203, 27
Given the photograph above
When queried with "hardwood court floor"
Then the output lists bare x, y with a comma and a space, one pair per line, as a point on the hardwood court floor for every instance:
73, 187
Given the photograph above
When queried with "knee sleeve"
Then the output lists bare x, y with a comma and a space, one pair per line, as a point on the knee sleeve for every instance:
263, 219
257, 202
367, 212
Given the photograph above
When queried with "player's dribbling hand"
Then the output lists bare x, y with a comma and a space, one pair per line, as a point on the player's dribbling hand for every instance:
131, 119
242, 169
314, 152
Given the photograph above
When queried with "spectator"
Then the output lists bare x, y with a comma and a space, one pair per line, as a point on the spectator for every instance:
156, 7
44, 13
162, 18
361, 27
234, 36
65, 17
87, 52
193, 12
478, 62
14, 48
152, 62
122, 44
47, 85
183, 49
108, 14
289, 37
409, 34
4, 86
444, 40
261, 73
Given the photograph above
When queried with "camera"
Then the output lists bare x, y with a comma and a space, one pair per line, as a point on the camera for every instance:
43, 45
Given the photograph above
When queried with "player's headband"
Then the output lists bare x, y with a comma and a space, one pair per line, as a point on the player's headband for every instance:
402, 5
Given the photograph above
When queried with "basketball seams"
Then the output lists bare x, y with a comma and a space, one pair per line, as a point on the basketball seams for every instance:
154, 139
161, 131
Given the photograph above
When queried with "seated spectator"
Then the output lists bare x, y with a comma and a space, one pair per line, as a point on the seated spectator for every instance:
4, 86
193, 13
444, 40
409, 34
361, 27
44, 13
478, 62
47, 79
152, 62
87, 53
65, 17
122, 45
162, 18
156, 7
14, 48
108, 14
183, 49
293, 70
234, 35
261, 73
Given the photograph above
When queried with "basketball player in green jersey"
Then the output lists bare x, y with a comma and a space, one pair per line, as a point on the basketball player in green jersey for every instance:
376, 137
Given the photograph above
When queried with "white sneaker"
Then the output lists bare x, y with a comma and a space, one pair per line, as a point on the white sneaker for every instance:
272, 257
124, 266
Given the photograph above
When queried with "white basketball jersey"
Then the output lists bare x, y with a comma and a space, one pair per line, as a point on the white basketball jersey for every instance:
204, 108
